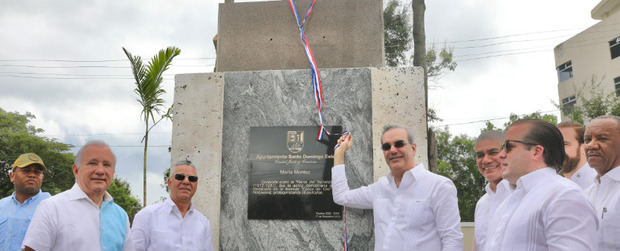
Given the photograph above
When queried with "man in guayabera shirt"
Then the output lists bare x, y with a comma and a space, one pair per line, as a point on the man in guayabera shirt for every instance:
545, 211
85, 217
174, 224
602, 140
575, 165
497, 189
413, 208
17, 210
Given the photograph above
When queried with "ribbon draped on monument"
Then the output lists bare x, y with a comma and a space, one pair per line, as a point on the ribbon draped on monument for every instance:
316, 86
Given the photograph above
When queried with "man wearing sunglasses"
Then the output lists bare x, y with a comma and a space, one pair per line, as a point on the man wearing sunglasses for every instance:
575, 165
487, 149
545, 211
602, 140
17, 210
174, 224
413, 208
84, 217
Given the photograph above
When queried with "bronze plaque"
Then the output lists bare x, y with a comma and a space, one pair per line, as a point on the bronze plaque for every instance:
290, 174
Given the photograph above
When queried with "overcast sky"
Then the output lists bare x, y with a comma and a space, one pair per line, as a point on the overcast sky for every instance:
62, 61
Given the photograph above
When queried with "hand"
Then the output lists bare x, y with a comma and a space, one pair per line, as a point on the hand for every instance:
344, 142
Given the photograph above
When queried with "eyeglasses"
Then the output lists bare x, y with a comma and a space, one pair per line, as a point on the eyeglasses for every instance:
397, 144
180, 176
508, 147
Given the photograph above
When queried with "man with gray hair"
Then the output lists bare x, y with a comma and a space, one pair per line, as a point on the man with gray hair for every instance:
413, 208
84, 217
488, 147
174, 224
602, 140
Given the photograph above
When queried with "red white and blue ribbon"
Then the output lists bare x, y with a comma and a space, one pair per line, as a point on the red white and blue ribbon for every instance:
316, 86
316, 77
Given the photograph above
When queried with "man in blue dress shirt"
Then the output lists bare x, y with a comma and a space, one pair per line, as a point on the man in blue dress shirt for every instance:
17, 209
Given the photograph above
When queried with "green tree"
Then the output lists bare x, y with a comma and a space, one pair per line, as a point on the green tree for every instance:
457, 161
593, 102
121, 192
396, 34
148, 88
18, 136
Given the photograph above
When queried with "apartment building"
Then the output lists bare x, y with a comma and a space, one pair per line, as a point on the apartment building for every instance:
591, 59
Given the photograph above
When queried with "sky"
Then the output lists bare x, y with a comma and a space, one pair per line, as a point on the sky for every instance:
62, 61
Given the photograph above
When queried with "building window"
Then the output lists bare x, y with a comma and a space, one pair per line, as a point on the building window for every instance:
569, 103
614, 47
617, 84
565, 71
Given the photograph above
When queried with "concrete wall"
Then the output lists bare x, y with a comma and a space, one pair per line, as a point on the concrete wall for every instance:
264, 35
214, 111
591, 59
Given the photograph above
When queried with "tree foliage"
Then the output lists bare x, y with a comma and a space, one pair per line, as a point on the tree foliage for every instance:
121, 192
18, 136
397, 33
148, 88
592, 102
457, 161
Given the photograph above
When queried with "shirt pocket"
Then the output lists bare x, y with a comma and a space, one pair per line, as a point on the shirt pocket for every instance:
420, 214
67, 236
610, 231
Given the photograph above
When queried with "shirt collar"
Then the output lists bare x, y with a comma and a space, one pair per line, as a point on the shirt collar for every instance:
14, 199
501, 187
410, 175
613, 174
173, 206
534, 178
76, 193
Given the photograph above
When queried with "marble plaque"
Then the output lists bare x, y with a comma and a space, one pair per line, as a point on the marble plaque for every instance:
290, 174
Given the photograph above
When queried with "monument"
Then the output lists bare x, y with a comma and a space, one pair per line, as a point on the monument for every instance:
251, 130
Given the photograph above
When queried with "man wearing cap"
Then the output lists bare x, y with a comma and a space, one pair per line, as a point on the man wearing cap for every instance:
84, 217
174, 224
17, 210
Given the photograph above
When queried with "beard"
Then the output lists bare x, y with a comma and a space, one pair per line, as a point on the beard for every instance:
571, 163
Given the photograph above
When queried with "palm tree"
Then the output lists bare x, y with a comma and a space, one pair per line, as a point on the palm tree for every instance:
148, 88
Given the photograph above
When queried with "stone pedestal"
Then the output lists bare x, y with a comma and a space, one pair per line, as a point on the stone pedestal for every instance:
213, 113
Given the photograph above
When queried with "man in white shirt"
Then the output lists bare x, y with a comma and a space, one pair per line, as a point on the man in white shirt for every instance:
575, 165
487, 149
84, 217
413, 208
174, 224
545, 211
602, 139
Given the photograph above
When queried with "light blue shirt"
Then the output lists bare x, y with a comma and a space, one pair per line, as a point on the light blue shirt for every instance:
15, 218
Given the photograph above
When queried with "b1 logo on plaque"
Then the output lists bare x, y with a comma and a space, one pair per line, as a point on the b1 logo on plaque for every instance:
295, 141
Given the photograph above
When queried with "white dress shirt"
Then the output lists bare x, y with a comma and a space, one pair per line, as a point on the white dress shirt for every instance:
585, 176
485, 208
72, 221
161, 227
545, 212
421, 214
606, 199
